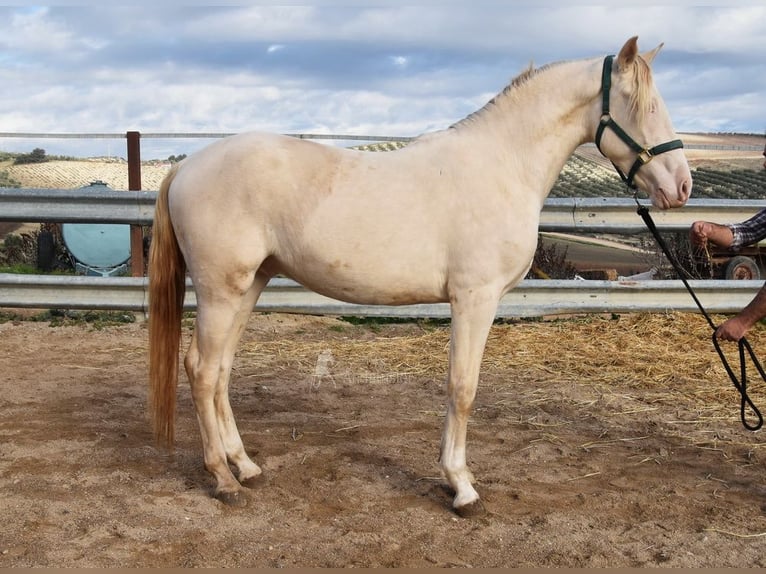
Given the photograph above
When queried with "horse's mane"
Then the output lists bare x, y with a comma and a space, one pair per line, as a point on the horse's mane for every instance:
516, 83
640, 96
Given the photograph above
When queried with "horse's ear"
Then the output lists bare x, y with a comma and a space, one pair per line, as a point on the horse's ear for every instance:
649, 56
628, 54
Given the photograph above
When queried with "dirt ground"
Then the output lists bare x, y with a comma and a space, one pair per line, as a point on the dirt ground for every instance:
600, 441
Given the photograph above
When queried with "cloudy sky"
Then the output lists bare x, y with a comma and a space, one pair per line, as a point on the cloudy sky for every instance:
353, 68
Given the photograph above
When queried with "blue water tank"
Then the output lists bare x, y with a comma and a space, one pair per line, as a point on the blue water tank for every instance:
98, 248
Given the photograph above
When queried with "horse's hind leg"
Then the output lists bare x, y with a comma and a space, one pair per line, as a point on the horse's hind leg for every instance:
248, 472
221, 318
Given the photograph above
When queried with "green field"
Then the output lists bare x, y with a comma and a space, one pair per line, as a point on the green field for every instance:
583, 178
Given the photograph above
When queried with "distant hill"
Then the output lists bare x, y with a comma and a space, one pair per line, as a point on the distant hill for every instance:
71, 174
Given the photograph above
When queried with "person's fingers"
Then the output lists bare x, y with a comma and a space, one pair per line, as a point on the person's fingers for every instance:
699, 232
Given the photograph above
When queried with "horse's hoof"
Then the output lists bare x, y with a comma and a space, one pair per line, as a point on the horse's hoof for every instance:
253, 481
236, 499
471, 510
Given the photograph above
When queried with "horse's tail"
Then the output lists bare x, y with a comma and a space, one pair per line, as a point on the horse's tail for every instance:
167, 272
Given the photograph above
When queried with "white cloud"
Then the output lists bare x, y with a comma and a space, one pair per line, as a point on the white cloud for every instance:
353, 69
255, 23
32, 34
399, 61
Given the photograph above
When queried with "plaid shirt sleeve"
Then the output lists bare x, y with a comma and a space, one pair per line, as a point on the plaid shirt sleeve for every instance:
749, 231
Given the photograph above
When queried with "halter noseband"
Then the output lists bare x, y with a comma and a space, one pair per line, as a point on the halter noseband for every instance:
644, 155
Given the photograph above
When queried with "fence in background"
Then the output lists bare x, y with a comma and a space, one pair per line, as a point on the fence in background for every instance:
615, 215
531, 298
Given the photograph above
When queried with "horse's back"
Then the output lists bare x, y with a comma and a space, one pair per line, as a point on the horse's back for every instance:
253, 158
359, 226
320, 214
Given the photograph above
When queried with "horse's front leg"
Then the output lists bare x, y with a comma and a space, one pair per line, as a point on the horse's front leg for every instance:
472, 316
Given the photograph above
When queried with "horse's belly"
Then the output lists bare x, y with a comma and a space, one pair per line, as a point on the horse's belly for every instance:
364, 282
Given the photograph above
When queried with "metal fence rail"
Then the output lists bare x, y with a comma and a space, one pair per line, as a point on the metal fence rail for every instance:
33, 205
586, 215
532, 298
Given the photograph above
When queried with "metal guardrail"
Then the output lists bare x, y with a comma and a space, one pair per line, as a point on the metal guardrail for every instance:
586, 215
618, 215
33, 205
531, 298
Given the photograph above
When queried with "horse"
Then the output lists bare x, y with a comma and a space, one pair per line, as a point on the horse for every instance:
451, 217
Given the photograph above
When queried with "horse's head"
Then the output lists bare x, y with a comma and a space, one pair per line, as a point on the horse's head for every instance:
635, 131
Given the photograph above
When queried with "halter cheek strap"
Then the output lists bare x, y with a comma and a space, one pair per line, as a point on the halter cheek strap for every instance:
643, 155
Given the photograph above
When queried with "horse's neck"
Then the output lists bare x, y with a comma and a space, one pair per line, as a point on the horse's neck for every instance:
540, 120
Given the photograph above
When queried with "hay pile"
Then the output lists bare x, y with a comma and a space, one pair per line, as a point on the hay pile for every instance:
423, 354
636, 367
633, 364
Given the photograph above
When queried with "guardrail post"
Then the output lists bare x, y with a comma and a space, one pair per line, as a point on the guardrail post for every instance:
134, 184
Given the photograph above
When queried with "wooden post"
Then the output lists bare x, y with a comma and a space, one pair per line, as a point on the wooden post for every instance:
134, 184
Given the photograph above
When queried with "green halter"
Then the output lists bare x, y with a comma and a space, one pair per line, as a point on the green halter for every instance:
644, 155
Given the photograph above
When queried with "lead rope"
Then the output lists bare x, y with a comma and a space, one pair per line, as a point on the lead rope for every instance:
741, 383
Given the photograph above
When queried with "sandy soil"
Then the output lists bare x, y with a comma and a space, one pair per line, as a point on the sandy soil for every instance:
610, 463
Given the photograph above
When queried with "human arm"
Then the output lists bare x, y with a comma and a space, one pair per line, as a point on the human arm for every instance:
735, 328
703, 232
731, 236
750, 231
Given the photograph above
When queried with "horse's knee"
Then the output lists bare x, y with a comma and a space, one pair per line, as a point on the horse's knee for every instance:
461, 408
462, 394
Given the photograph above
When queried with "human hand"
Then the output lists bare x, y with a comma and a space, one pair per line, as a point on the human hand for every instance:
731, 330
700, 232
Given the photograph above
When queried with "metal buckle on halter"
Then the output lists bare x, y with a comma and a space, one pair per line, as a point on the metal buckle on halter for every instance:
645, 156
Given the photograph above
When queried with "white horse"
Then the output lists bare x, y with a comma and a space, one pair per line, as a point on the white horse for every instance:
453, 217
